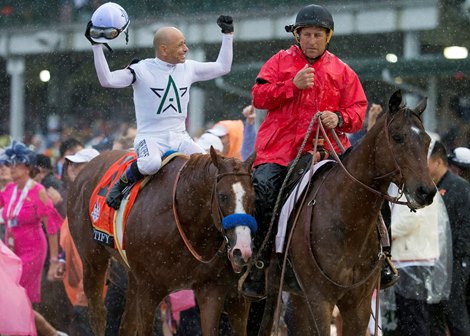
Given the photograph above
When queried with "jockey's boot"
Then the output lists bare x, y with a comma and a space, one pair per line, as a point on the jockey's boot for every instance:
123, 185
388, 274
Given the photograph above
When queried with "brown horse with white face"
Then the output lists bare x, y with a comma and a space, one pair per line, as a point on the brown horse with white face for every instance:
335, 246
191, 215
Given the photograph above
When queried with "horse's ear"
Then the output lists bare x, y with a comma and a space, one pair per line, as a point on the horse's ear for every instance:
421, 106
248, 163
215, 158
395, 102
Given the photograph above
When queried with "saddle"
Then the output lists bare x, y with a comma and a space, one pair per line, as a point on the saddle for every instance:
300, 168
102, 216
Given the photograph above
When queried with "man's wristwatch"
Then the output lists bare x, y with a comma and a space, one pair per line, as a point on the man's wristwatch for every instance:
340, 119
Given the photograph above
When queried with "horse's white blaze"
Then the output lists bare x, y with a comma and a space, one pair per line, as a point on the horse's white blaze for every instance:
239, 194
415, 130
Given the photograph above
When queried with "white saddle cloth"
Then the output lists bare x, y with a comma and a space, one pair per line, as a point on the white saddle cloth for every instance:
289, 205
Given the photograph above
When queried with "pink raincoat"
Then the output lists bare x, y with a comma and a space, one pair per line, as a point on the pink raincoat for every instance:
29, 238
16, 313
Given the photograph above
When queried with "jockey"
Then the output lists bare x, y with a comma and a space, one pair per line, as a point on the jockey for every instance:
161, 93
294, 85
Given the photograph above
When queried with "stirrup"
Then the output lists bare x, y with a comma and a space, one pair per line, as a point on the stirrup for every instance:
389, 275
388, 260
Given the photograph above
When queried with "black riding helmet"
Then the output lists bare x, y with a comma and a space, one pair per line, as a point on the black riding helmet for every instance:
312, 15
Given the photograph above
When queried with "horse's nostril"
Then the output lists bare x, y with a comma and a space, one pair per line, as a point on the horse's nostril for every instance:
237, 254
426, 194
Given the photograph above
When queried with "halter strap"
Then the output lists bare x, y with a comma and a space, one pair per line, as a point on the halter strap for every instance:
377, 192
217, 216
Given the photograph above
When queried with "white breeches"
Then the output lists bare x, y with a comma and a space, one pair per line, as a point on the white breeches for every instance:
150, 149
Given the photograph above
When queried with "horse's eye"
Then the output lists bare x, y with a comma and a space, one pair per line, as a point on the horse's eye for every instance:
222, 198
398, 138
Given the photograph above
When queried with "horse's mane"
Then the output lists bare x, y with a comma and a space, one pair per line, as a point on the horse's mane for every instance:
199, 166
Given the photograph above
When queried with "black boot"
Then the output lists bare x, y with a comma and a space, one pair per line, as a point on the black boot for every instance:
116, 193
254, 286
123, 185
388, 274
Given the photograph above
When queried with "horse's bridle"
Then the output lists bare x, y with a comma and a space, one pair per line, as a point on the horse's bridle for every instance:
397, 169
217, 217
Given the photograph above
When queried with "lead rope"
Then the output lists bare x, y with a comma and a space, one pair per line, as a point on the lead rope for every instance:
279, 195
277, 312
281, 282
377, 307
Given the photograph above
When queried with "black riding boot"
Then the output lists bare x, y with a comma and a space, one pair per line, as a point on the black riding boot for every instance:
388, 274
254, 286
123, 185
267, 181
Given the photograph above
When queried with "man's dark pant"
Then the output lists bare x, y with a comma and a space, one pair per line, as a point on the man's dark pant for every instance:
80, 324
412, 316
455, 308
267, 181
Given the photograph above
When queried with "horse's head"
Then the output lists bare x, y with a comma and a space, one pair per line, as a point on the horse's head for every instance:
408, 145
233, 199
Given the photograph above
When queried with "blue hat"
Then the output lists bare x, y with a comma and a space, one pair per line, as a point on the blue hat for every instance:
17, 153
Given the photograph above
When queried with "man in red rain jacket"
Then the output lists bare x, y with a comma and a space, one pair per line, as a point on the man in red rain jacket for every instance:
294, 85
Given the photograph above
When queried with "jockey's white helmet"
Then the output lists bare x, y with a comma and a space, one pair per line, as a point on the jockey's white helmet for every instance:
108, 21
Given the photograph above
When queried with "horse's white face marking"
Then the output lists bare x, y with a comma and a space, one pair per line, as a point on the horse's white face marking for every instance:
239, 194
415, 130
243, 241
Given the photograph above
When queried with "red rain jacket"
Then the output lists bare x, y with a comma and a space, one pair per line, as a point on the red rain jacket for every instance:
290, 110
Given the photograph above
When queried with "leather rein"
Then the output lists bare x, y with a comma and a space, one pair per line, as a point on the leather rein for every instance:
216, 216
395, 171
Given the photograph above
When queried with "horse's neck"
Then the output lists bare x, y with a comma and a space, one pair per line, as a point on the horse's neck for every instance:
361, 169
362, 164
196, 199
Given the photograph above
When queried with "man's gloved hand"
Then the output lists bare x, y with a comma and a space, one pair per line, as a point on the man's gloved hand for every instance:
226, 23
87, 33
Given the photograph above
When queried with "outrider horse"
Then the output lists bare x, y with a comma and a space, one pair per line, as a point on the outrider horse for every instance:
162, 259
335, 246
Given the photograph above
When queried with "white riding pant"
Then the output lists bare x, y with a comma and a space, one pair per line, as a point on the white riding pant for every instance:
150, 149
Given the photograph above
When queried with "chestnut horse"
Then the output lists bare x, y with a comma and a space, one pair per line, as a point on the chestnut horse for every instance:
335, 246
173, 240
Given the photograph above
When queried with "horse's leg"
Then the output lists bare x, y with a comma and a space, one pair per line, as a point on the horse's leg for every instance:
149, 295
95, 265
210, 299
308, 319
130, 318
273, 278
237, 307
355, 311
267, 322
